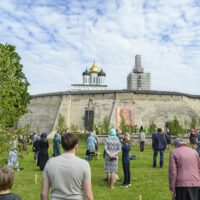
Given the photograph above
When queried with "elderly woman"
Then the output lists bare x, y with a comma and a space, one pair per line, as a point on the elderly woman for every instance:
91, 146
184, 173
112, 147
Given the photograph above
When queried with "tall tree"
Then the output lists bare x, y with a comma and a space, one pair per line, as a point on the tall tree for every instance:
14, 95
14, 98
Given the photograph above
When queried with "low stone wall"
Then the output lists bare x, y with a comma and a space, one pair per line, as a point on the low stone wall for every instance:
135, 139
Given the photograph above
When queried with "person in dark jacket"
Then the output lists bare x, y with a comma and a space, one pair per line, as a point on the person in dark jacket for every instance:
43, 151
159, 143
36, 147
126, 162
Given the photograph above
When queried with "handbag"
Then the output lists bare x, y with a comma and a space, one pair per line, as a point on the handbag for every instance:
133, 157
113, 158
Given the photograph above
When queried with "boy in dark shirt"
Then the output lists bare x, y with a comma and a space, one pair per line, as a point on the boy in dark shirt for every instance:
126, 161
7, 176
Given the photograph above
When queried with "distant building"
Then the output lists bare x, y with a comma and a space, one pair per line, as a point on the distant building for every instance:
137, 79
93, 79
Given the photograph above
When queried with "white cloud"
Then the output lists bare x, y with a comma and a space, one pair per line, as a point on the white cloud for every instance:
57, 40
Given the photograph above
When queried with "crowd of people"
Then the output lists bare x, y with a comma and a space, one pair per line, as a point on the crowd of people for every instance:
41, 146
67, 175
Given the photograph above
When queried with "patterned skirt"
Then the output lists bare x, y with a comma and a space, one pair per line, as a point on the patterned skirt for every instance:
111, 165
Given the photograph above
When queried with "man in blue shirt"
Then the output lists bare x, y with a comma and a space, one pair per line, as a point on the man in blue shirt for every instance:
159, 143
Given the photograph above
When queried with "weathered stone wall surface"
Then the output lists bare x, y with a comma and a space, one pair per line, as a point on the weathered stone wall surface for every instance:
42, 113
147, 106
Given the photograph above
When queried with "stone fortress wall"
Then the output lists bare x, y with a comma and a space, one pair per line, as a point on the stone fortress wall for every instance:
139, 107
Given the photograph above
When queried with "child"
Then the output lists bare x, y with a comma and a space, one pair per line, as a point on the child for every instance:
7, 176
126, 161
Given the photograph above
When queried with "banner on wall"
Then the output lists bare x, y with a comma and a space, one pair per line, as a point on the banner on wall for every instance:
127, 113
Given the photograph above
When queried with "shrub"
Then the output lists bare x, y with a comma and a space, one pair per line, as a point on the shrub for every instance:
82, 136
61, 126
151, 128
102, 128
193, 123
175, 127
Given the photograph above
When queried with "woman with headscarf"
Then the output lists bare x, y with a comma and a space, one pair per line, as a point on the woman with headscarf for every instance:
56, 144
112, 147
91, 144
43, 151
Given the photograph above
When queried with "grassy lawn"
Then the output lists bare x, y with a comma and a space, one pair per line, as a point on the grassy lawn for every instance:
147, 183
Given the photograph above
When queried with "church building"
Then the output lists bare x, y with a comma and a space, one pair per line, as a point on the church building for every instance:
137, 79
93, 79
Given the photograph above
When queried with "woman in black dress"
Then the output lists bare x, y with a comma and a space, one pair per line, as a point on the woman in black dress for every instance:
43, 151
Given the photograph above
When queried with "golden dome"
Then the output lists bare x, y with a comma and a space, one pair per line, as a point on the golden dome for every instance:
94, 69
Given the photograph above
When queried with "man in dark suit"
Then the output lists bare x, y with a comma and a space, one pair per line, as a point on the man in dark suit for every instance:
159, 143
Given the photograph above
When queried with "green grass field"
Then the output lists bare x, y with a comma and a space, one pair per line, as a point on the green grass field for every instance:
147, 183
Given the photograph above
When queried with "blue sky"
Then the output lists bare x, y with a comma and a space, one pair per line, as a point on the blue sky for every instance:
58, 39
